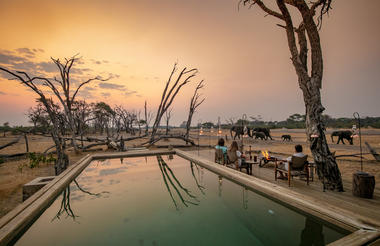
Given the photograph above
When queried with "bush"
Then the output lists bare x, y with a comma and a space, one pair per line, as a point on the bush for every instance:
35, 159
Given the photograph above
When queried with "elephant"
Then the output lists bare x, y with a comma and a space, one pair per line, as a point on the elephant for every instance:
239, 131
286, 137
258, 135
341, 135
264, 130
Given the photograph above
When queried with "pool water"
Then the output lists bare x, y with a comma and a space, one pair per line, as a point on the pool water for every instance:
167, 201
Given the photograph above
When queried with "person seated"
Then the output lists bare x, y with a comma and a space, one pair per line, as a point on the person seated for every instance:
241, 157
285, 165
221, 146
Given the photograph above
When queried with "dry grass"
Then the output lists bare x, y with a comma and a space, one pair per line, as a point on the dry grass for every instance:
12, 178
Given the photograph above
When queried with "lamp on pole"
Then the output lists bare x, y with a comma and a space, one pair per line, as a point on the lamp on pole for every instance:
243, 124
200, 132
357, 117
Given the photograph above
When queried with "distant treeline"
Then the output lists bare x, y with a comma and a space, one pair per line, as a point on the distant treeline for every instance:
297, 121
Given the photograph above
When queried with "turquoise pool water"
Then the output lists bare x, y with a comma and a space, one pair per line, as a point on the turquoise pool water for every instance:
165, 201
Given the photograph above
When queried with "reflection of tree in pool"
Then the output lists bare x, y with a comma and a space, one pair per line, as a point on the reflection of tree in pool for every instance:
312, 234
200, 187
65, 203
220, 179
168, 175
245, 198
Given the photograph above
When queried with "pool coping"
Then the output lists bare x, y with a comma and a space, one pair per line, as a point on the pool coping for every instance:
364, 230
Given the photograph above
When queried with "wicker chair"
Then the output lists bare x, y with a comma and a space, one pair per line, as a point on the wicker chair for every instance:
233, 159
219, 157
298, 166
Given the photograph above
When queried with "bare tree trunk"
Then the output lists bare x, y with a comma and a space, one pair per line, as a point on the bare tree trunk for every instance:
168, 115
168, 95
146, 119
26, 143
310, 84
194, 104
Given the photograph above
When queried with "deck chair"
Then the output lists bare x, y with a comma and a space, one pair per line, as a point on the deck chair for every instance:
233, 159
219, 157
298, 166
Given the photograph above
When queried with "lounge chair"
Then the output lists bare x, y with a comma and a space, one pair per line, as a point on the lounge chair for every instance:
298, 166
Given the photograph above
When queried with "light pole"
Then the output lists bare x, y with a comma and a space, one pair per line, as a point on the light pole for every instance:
244, 118
357, 117
200, 132
211, 132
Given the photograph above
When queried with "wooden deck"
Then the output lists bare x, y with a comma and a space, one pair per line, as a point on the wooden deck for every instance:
369, 209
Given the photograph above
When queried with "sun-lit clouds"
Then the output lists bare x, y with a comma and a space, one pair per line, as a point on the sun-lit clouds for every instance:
112, 86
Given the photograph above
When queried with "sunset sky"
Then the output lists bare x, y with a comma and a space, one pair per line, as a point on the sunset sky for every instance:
241, 54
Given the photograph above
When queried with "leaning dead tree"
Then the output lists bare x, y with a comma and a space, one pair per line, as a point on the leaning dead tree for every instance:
31, 82
172, 87
62, 89
306, 33
195, 102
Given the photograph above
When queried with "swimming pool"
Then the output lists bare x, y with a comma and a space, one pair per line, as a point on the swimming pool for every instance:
158, 200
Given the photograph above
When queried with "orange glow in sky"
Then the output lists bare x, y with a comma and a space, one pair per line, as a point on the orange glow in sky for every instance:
242, 56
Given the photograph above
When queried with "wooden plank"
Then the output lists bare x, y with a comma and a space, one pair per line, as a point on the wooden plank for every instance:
358, 238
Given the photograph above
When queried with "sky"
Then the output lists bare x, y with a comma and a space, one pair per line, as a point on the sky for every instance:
241, 54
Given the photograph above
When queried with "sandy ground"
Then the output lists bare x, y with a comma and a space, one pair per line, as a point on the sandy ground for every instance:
12, 178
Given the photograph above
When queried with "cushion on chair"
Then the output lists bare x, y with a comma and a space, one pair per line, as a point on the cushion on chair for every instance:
298, 163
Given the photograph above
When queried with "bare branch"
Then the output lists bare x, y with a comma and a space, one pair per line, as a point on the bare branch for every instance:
263, 7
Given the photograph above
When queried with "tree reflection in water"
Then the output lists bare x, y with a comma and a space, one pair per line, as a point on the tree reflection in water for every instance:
220, 179
200, 187
168, 177
65, 203
245, 197
65, 206
313, 233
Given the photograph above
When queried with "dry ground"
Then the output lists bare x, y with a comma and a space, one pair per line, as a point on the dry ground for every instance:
12, 178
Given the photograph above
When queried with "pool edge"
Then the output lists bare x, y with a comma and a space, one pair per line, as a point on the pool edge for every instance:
364, 230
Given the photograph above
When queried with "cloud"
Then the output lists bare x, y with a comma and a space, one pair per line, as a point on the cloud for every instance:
27, 52
106, 94
130, 93
48, 67
96, 62
3, 93
111, 86
113, 75
8, 57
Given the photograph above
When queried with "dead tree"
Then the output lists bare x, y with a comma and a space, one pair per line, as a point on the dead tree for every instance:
195, 102
310, 82
148, 118
168, 115
170, 92
31, 82
62, 90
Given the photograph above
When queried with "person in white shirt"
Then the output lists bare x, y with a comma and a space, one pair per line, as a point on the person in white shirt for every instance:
285, 165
